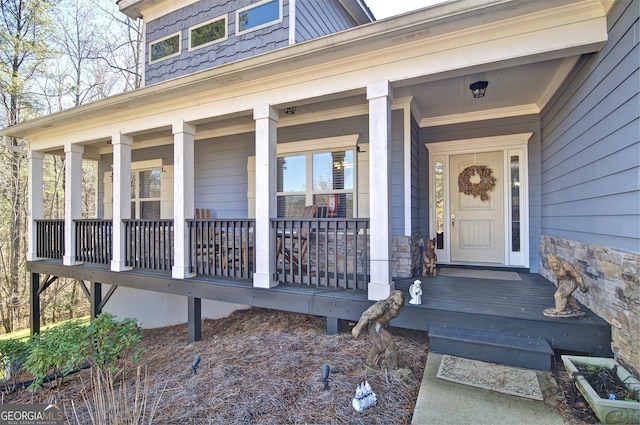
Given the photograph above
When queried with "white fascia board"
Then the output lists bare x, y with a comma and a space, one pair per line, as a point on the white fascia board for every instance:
151, 9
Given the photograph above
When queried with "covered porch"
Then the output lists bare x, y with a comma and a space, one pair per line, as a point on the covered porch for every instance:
504, 307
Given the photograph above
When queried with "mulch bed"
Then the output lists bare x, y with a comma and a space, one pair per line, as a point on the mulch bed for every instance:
263, 366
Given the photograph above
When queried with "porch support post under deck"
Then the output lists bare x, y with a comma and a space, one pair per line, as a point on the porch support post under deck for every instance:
34, 200
379, 95
96, 299
266, 118
194, 324
72, 204
34, 305
183, 196
121, 197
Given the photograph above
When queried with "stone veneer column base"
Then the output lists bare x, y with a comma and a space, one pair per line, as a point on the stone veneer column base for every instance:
405, 256
613, 278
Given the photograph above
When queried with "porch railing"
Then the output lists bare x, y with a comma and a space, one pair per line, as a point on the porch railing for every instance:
326, 252
149, 244
50, 239
222, 248
93, 241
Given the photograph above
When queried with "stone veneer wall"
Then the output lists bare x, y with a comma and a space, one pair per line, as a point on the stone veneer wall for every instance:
614, 290
405, 256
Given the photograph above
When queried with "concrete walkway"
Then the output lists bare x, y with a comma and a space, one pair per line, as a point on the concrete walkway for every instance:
442, 402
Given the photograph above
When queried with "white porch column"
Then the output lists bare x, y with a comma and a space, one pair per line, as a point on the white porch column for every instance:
121, 197
34, 200
183, 196
266, 119
72, 203
379, 95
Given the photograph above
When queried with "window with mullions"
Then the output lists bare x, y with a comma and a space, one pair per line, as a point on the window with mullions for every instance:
164, 48
321, 178
145, 194
259, 15
208, 33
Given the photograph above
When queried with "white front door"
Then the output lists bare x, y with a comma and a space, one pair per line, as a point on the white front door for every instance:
469, 229
476, 207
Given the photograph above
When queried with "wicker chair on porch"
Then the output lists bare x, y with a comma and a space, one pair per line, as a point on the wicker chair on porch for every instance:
206, 243
293, 243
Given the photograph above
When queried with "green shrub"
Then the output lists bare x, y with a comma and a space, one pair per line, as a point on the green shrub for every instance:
58, 350
114, 340
63, 349
13, 353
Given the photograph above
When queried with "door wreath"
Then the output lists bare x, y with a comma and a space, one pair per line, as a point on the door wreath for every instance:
486, 183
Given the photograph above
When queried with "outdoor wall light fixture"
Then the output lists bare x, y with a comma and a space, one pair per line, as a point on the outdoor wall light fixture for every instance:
290, 110
479, 88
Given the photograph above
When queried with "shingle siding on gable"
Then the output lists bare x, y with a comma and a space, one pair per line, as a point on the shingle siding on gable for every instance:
591, 144
235, 47
316, 18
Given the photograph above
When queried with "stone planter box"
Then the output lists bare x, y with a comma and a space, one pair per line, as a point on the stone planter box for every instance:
608, 411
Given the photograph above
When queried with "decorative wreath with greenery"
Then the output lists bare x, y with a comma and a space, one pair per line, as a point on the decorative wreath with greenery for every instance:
487, 181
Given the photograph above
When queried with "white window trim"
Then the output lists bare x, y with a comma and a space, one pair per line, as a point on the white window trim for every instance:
218, 40
328, 144
266, 24
179, 34
148, 164
135, 193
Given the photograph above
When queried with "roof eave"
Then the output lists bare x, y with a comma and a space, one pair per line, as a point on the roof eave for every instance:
347, 42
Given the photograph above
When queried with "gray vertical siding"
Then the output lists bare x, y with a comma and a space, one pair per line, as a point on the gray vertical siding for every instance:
416, 203
234, 48
221, 180
315, 18
397, 173
497, 127
591, 144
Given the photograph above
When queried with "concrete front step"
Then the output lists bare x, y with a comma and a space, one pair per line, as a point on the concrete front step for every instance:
531, 353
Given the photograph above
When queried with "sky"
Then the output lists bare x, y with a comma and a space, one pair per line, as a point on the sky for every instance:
384, 8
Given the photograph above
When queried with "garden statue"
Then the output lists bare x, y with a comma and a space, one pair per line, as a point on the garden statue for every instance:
375, 319
568, 279
365, 397
429, 258
415, 290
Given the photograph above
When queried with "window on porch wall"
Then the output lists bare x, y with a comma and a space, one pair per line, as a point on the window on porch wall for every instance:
322, 178
145, 194
151, 191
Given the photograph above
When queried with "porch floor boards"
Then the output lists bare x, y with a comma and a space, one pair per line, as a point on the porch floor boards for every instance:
501, 306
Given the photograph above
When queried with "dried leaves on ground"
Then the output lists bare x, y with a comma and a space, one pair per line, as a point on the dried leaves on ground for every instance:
260, 366
263, 366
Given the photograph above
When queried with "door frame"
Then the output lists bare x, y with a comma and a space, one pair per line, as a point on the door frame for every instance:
510, 145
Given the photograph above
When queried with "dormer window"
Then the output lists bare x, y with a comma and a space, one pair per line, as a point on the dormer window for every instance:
165, 48
208, 33
259, 15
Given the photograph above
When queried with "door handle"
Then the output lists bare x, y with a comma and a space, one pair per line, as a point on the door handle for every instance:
453, 221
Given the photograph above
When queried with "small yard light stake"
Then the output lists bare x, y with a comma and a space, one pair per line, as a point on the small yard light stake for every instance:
194, 365
325, 376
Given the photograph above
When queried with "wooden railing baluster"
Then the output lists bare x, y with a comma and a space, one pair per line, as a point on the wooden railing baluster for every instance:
93, 241
327, 252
